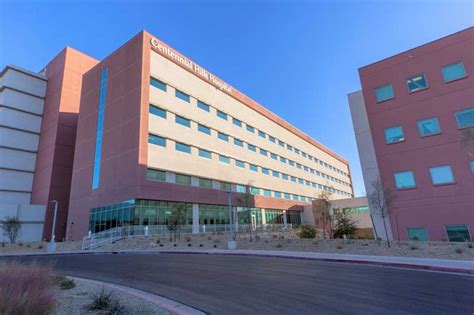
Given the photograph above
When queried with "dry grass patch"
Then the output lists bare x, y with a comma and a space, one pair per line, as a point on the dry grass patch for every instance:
26, 289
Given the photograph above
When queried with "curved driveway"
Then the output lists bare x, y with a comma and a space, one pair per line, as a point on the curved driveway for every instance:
221, 284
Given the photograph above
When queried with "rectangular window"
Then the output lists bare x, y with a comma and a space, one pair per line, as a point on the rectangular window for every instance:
236, 122
239, 163
100, 128
428, 127
281, 143
156, 175
224, 159
238, 142
204, 129
158, 84
240, 189
156, 140
289, 147
453, 71
465, 118
263, 152
441, 175
182, 121
297, 151
284, 176
287, 196
277, 194
417, 234
472, 167
223, 136
253, 167
265, 171
183, 179
204, 182
293, 179
405, 180
275, 174
306, 169
221, 115
203, 106
283, 160
267, 192
251, 147
384, 93
394, 134
254, 191
181, 95
291, 163
417, 83
272, 139
300, 180
157, 111
458, 233
225, 186
295, 197
250, 128
181, 147
303, 198
205, 154
303, 154
262, 134
298, 166
274, 156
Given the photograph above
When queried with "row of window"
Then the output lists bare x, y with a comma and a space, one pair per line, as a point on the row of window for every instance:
183, 179
440, 175
237, 122
418, 82
430, 126
185, 148
224, 137
455, 233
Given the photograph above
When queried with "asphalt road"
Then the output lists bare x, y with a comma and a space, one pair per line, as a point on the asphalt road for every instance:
259, 285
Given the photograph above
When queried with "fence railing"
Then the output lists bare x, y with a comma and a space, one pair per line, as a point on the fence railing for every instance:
95, 240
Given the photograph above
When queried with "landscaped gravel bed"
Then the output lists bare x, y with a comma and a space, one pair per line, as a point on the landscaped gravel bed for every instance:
75, 301
274, 241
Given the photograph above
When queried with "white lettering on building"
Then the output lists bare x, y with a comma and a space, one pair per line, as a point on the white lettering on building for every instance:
221, 85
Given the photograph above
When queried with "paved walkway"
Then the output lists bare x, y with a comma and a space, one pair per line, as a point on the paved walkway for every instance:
445, 265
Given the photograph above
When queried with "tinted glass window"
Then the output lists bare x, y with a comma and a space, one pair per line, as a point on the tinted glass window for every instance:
157, 111
205, 154
183, 121
156, 175
182, 147
417, 234
204, 129
236, 122
453, 71
394, 134
458, 233
238, 142
417, 83
384, 93
441, 175
465, 118
204, 182
203, 106
156, 140
181, 95
158, 84
223, 136
404, 180
239, 163
428, 127
221, 115
183, 179
224, 159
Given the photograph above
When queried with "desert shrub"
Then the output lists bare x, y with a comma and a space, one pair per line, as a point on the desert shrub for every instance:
161, 245
175, 245
11, 227
187, 239
104, 301
3, 244
413, 247
278, 246
189, 244
470, 245
339, 246
257, 238
64, 282
200, 245
20, 243
274, 236
158, 241
26, 289
306, 231
458, 250
215, 246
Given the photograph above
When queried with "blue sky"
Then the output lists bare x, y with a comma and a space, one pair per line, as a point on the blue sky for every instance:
298, 58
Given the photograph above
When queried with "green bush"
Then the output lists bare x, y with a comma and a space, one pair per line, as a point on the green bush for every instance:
64, 282
306, 231
105, 301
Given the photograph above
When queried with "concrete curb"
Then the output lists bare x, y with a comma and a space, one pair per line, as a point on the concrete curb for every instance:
361, 259
170, 305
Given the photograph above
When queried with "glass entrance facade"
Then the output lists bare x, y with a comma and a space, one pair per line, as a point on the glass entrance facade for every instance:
154, 212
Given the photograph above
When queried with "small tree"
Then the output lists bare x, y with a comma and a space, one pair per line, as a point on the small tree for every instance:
176, 221
467, 141
381, 200
11, 228
344, 225
246, 199
323, 208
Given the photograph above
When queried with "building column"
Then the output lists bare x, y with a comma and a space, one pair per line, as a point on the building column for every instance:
285, 221
264, 217
195, 218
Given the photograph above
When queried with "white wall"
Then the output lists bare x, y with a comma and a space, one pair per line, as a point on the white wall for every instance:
368, 161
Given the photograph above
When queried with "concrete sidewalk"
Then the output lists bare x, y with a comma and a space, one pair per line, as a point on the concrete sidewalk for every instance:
443, 265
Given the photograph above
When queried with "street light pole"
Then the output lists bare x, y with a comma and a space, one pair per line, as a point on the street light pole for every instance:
52, 243
231, 244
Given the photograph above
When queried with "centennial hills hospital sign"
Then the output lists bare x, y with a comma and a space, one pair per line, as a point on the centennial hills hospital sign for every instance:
185, 62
